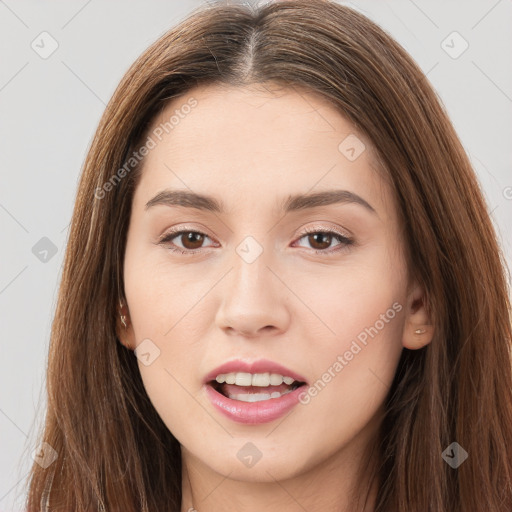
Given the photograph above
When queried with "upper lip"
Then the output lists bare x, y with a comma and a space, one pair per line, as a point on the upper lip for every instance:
259, 366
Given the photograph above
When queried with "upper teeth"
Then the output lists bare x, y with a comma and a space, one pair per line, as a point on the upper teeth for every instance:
253, 379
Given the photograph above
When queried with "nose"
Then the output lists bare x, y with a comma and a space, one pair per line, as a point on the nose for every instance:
254, 300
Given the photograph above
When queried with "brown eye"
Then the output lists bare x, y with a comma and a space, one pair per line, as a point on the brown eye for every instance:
191, 239
320, 240
185, 240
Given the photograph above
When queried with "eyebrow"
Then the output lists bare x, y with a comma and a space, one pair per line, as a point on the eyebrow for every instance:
293, 203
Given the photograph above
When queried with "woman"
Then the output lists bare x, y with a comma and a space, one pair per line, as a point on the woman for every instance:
282, 288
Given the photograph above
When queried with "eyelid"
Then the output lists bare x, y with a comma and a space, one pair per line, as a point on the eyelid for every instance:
319, 228
180, 228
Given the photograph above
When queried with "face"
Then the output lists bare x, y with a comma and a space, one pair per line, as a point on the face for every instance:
269, 274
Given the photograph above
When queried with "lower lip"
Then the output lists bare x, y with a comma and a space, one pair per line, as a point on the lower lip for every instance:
254, 412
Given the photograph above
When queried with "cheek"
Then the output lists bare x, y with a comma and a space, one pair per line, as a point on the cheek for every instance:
362, 343
159, 293
354, 368
357, 332
165, 308
364, 293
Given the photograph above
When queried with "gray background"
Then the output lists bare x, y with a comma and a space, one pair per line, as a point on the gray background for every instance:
50, 109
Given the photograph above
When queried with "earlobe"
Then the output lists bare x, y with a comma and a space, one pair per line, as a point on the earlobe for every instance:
124, 328
413, 339
418, 330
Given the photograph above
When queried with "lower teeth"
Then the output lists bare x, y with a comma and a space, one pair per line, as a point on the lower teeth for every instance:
258, 397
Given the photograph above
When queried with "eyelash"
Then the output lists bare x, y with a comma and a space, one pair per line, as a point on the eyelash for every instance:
345, 242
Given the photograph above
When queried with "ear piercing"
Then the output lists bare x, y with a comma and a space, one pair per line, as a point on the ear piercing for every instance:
123, 317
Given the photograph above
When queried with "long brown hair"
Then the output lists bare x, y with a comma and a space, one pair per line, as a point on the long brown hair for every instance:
114, 451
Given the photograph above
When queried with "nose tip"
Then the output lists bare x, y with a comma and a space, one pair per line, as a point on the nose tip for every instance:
253, 302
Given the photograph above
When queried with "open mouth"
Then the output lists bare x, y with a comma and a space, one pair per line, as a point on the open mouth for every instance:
262, 393
253, 393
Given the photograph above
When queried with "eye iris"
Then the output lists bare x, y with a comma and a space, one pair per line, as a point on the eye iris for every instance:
194, 238
320, 236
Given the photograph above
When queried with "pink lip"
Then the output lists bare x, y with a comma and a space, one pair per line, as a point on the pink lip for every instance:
253, 412
259, 366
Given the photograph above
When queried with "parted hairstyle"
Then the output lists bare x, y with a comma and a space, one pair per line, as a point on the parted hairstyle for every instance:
114, 451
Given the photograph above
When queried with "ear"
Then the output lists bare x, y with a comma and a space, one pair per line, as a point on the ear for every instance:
418, 328
124, 327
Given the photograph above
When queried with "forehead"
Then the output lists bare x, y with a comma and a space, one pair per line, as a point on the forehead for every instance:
253, 144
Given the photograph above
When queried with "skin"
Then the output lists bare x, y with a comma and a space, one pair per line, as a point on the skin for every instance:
251, 148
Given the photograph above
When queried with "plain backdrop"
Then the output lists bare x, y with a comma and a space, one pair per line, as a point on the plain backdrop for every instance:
60, 63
